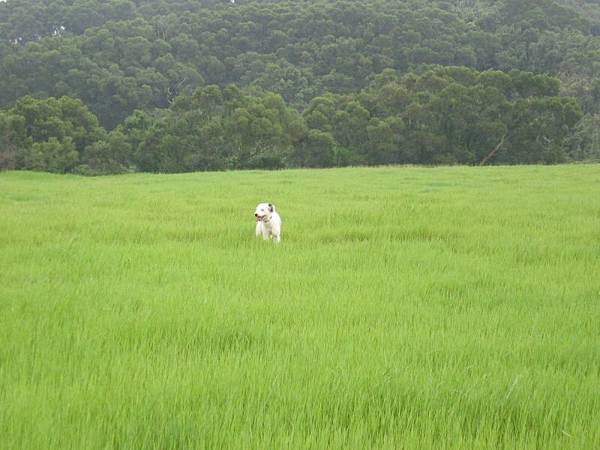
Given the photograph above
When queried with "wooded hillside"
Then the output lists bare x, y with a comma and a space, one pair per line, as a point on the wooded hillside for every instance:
161, 85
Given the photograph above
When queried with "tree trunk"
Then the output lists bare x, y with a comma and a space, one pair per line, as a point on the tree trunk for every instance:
493, 152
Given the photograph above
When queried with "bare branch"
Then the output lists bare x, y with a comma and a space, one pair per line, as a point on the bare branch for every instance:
493, 152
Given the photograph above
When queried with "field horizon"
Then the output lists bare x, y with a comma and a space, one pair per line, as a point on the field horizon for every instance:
405, 308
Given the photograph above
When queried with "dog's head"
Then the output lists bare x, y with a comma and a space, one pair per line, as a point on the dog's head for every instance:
263, 211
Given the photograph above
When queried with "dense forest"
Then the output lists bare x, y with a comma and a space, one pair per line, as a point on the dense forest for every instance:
95, 87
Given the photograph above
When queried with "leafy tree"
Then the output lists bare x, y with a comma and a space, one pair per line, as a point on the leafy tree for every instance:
14, 143
111, 155
59, 118
54, 155
317, 149
584, 143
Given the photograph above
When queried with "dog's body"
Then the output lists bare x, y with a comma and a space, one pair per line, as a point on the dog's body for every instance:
268, 222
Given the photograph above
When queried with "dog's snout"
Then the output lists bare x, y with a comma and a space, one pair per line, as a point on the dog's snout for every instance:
255, 214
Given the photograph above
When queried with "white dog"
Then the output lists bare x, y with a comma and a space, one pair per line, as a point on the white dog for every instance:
268, 222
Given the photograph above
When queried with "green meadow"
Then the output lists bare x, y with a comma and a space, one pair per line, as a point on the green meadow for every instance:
405, 308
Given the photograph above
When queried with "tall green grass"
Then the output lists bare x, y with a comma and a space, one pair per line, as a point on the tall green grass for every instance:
406, 308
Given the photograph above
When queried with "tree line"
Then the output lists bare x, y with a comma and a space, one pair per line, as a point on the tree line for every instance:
444, 115
326, 68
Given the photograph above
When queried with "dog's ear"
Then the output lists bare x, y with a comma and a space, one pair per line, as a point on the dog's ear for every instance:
271, 207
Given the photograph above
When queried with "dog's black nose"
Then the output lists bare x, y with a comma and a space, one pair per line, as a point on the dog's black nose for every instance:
255, 214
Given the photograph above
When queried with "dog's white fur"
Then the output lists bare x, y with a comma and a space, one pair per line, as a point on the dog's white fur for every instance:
268, 222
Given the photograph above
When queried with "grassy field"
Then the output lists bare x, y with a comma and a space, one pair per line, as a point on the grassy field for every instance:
406, 308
